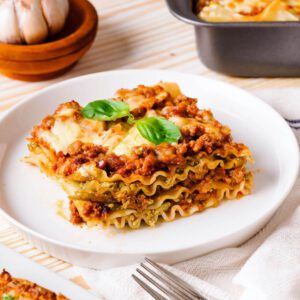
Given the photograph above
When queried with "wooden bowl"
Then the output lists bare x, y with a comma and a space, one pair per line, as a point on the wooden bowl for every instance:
58, 54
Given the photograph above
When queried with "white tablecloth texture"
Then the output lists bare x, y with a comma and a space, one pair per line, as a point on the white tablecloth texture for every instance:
266, 267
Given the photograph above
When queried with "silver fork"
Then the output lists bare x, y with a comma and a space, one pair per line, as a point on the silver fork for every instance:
169, 284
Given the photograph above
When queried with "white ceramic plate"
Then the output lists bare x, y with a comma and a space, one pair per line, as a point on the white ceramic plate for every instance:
28, 198
21, 267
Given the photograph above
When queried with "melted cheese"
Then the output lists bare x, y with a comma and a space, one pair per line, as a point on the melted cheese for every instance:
135, 101
251, 11
172, 88
133, 139
181, 122
62, 134
66, 132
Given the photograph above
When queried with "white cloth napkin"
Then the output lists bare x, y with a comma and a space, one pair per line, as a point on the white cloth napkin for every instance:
265, 267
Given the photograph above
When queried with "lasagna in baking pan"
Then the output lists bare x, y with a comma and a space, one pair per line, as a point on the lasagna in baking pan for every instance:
20, 289
248, 10
148, 154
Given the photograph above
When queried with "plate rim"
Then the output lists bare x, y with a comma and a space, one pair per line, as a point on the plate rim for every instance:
71, 246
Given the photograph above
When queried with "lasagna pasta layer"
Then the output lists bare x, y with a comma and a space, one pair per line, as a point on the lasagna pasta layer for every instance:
114, 176
179, 200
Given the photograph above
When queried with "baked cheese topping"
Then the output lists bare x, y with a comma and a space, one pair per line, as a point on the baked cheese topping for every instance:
132, 139
67, 129
249, 10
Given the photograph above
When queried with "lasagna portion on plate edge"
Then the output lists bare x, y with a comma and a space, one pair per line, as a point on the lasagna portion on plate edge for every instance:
148, 154
20, 289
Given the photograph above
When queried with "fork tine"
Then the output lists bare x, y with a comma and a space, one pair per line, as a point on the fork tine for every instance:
148, 289
170, 284
159, 286
185, 286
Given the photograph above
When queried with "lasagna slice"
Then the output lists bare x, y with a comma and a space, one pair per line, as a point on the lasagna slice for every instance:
20, 289
149, 154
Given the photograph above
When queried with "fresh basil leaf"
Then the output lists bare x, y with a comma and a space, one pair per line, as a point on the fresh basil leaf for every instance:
8, 297
106, 110
158, 130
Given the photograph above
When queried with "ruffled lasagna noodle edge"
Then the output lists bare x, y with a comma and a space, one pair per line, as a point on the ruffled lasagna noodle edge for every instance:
166, 211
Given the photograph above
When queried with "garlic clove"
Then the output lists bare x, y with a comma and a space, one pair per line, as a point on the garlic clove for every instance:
55, 12
9, 32
32, 25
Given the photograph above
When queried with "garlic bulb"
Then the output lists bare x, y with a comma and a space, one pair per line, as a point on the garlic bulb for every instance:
31, 21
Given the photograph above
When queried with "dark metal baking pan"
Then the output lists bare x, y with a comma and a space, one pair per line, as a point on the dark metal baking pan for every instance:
245, 49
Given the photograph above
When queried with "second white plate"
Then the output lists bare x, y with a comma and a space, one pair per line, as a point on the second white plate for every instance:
21, 267
28, 199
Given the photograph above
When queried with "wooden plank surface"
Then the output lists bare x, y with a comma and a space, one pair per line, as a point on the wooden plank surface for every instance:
131, 34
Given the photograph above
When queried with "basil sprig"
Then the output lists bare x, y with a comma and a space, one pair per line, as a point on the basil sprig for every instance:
8, 297
158, 130
106, 110
155, 129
